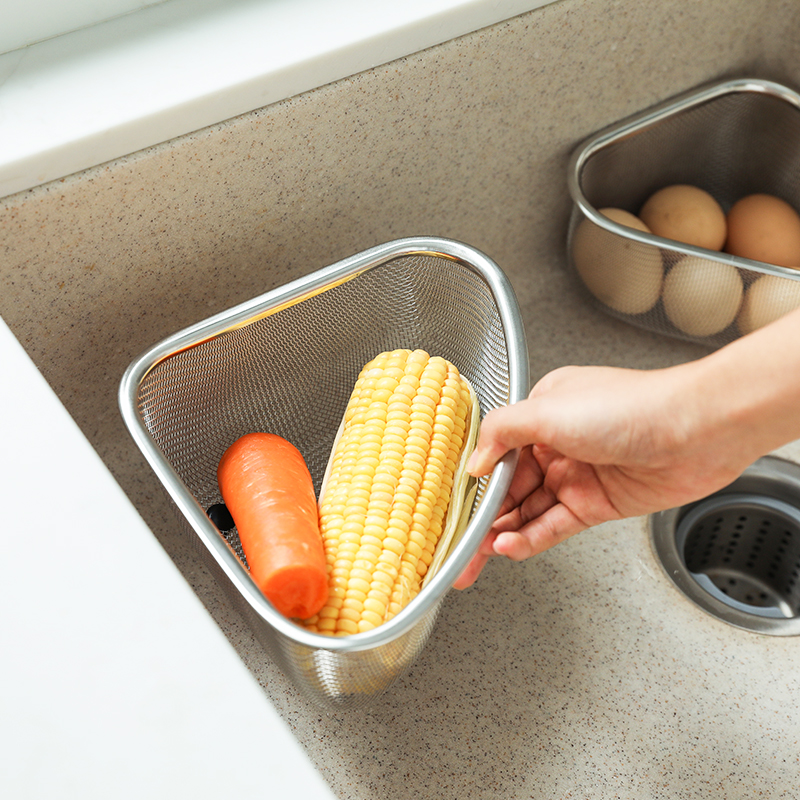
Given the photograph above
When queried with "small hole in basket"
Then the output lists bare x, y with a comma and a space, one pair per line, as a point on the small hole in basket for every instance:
221, 517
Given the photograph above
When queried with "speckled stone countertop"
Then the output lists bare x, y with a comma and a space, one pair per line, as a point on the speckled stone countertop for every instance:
582, 673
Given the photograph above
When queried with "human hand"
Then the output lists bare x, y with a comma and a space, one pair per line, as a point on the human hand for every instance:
598, 444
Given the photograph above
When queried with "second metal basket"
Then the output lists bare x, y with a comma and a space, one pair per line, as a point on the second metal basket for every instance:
286, 362
731, 139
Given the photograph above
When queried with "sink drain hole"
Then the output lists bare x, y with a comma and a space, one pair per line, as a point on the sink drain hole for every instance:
737, 552
748, 547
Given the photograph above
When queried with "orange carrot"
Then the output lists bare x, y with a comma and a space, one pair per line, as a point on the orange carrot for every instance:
268, 490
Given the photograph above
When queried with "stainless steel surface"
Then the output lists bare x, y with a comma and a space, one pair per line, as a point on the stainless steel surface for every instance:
286, 362
737, 553
731, 139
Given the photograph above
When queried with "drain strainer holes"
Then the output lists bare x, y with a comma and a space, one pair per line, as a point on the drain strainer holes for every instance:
737, 553
742, 544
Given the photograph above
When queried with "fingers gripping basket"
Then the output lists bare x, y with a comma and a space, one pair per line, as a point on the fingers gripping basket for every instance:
286, 362
731, 139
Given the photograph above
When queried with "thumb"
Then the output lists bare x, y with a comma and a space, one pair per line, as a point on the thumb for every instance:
503, 429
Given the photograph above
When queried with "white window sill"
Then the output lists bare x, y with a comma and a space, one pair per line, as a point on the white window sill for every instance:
93, 95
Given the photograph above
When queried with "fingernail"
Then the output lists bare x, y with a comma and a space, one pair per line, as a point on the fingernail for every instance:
472, 461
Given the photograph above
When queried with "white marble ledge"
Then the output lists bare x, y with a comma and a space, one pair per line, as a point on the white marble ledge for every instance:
114, 680
84, 98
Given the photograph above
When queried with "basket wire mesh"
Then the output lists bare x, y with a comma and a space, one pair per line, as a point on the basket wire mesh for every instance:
731, 139
286, 363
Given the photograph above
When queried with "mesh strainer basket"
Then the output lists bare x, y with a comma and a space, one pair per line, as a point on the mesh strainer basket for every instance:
286, 362
731, 139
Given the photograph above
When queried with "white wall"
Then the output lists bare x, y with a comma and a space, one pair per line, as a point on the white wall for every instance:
27, 21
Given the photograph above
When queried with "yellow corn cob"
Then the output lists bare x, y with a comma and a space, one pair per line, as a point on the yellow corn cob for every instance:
388, 487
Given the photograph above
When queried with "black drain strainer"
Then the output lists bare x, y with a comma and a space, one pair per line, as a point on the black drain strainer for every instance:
737, 552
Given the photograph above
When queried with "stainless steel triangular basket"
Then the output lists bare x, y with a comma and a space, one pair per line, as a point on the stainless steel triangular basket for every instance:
731, 139
286, 362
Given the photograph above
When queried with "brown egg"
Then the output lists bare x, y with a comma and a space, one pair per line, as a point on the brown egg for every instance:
624, 274
768, 298
702, 297
764, 228
686, 214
